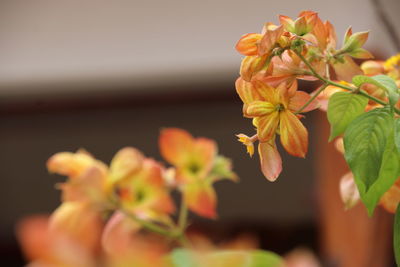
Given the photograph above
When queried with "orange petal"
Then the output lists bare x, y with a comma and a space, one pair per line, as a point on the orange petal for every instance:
294, 136
89, 186
260, 108
267, 125
299, 99
32, 234
69, 164
270, 159
264, 90
117, 234
251, 65
80, 222
332, 39
205, 152
176, 145
391, 199
321, 33
247, 45
269, 40
347, 70
201, 199
287, 22
246, 91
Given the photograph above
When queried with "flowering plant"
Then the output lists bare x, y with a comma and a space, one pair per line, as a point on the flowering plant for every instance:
124, 215
361, 101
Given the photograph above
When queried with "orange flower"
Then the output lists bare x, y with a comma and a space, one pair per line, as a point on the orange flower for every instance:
197, 167
75, 245
258, 48
86, 177
273, 112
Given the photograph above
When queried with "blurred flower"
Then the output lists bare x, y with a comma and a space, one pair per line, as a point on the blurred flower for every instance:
44, 246
197, 167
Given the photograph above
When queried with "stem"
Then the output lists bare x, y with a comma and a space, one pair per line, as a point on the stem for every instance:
348, 88
182, 224
183, 214
320, 90
149, 225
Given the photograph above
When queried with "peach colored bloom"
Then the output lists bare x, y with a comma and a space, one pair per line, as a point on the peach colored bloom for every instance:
197, 167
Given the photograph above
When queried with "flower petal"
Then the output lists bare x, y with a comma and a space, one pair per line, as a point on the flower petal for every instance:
176, 145
79, 222
268, 41
348, 191
127, 161
267, 125
260, 108
294, 136
270, 159
201, 198
299, 99
347, 70
251, 65
264, 90
117, 234
70, 164
391, 198
247, 45
205, 152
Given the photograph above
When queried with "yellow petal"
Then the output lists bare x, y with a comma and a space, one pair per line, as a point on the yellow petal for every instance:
267, 125
294, 136
251, 65
260, 108
126, 162
247, 142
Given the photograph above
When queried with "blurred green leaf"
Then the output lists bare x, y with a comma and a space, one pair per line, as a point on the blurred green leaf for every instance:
225, 258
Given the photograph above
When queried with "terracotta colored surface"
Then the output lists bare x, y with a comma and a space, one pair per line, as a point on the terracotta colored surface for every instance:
348, 238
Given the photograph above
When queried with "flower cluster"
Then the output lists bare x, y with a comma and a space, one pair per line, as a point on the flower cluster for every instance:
105, 208
304, 48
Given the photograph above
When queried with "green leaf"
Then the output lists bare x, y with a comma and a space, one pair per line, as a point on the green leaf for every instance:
242, 258
371, 153
382, 81
396, 235
343, 108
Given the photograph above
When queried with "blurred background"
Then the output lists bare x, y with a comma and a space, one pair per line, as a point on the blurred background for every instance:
102, 75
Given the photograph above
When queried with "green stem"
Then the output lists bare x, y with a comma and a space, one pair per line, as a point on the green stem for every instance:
320, 90
150, 226
183, 214
348, 88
